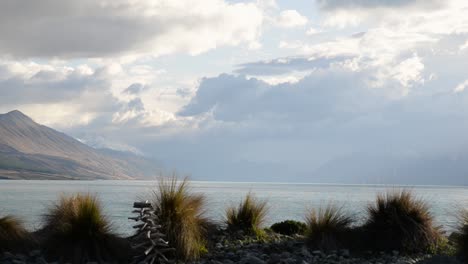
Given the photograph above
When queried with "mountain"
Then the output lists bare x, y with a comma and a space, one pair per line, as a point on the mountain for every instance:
428, 169
32, 151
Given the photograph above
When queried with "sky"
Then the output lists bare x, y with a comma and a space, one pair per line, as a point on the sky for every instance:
359, 91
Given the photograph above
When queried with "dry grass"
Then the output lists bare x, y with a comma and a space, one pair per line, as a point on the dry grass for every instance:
328, 228
249, 216
400, 221
76, 231
13, 236
181, 213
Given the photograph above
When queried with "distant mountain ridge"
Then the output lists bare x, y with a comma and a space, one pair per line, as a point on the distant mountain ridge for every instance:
29, 150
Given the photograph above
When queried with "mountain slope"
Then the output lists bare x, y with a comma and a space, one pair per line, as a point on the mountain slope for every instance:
29, 150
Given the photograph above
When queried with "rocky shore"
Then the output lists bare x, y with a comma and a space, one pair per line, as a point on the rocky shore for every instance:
292, 250
273, 248
274, 254
34, 256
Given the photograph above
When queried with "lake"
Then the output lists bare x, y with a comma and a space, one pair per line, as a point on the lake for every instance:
29, 200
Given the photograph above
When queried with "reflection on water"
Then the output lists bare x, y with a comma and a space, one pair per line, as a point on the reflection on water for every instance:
29, 199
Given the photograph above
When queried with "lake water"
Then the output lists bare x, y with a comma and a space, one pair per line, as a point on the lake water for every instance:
29, 200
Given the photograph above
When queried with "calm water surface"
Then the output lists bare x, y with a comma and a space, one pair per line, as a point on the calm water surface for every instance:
30, 199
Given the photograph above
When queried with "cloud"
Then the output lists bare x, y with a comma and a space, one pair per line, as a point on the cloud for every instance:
81, 29
286, 65
464, 46
331, 114
312, 31
291, 19
134, 89
461, 87
320, 95
342, 14
249, 127
65, 96
24, 83
351, 4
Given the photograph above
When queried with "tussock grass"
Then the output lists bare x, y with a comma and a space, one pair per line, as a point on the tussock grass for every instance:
400, 221
76, 231
181, 214
462, 236
328, 228
13, 236
249, 216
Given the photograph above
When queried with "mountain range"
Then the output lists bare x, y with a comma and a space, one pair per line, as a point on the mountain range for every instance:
29, 150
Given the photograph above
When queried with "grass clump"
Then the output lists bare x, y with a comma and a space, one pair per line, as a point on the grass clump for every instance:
248, 217
13, 236
328, 228
181, 215
289, 227
77, 232
400, 221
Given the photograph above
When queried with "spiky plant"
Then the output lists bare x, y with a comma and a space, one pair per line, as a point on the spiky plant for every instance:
328, 228
249, 216
400, 221
181, 214
13, 236
76, 231
149, 240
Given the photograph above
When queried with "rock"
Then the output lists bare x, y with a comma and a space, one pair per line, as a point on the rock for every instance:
252, 260
345, 253
230, 256
285, 255
34, 253
439, 260
41, 260
305, 252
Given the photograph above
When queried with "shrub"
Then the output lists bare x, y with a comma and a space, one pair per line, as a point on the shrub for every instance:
328, 228
181, 215
13, 236
76, 231
248, 217
399, 221
462, 236
289, 227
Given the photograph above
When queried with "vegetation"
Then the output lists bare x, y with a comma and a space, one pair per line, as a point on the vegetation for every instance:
13, 236
76, 231
289, 227
328, 228
399, 221
181, 215
149, 240
462, 236
248, 217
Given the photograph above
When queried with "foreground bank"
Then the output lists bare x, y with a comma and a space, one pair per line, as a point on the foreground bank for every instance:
173, 227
